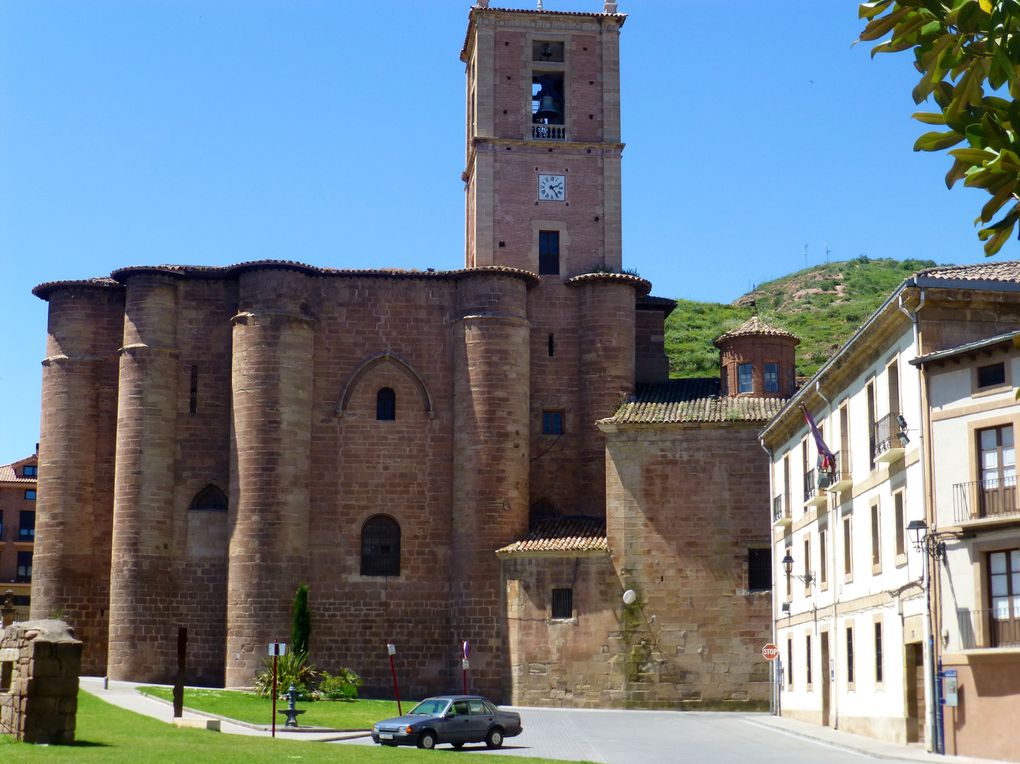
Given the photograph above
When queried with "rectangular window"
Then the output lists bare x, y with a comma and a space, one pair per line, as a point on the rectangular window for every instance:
876, 551
789, 662
807, 660
850, 655
787, 492
552, 346
992, 375
901, 545
892, 374
24, 572
29, 470
869, 393
878, 652
29, 494
552, 422
193, 392
789, 586
562, 603
26, 526
848, 559
997, 490
549, 253
807, 563
823, 554
759, 570
547, 101
771, 377
1004, 595
547, 50
745, 382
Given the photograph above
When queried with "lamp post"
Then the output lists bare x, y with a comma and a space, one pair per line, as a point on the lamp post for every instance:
806, 579
933, 546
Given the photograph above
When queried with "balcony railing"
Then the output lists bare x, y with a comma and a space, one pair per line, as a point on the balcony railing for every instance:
810, 485
549, 132
985, 498
989, 627
841, 479
886, 445
779, 513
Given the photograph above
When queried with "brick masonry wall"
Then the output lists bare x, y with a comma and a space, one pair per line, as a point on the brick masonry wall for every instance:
74, 511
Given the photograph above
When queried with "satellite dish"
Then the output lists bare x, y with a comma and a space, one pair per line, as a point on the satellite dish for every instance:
629, 597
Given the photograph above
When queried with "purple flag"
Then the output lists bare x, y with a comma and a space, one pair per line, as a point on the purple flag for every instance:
826, 459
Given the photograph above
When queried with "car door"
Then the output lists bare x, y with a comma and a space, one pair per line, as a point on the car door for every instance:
481, 718
457, 723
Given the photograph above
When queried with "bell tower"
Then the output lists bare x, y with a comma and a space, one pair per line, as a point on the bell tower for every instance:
543, 140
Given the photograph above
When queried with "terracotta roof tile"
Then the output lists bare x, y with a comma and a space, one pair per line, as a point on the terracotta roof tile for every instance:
692, 400
1001, 270
754, 327
9, 473
562, 535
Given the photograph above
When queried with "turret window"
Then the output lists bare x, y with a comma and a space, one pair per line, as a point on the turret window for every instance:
771, 377
744, 378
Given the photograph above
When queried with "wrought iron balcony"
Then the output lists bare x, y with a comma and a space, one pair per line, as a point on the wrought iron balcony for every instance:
841, 477
980, 499
813, 495
888, 442
780, 515
989, 627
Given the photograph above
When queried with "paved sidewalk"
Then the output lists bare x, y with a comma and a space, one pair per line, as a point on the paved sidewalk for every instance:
125, 695
859, 743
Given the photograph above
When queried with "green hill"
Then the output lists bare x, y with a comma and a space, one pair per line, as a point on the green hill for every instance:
823, 305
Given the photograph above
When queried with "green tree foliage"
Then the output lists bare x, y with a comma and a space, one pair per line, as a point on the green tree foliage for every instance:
301, 628
968, 54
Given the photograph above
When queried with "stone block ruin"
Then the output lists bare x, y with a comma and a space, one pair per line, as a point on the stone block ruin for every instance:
40, 662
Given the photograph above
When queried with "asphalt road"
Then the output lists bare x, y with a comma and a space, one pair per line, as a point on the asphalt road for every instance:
658, 737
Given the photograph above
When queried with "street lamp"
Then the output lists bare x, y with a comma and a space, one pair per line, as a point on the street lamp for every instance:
933, 544
807, 578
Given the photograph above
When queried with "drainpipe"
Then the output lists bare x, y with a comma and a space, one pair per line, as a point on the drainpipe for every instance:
930, 644
773, 700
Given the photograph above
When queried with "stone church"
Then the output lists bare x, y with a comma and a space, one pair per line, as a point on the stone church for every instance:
493, 454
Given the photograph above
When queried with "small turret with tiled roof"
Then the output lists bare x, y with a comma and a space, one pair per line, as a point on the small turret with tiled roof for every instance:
758, 359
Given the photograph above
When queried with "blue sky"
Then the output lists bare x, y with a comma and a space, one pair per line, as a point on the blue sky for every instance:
177, 131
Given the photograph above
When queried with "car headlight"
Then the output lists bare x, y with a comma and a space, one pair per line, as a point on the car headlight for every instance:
375, 728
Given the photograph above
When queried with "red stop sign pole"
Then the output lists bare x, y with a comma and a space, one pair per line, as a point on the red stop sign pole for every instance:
392, 650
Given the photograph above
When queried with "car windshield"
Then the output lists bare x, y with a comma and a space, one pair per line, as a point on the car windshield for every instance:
429, 707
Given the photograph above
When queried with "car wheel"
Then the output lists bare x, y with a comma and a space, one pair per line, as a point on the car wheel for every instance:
495, 738
427, 740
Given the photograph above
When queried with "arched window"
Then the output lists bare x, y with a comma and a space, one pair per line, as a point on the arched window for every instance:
210, 498
386, 404
380, 547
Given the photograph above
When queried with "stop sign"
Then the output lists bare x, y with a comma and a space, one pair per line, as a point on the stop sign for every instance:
770, 652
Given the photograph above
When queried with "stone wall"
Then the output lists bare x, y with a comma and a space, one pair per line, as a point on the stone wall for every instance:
39, 666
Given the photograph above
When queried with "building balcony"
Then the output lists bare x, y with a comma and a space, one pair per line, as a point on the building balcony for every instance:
780, 515
888, 441
549, 132
814, 493
841, 479
989, 627
986, 500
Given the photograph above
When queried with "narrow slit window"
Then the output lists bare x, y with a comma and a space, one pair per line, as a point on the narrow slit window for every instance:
193, 391
552, 346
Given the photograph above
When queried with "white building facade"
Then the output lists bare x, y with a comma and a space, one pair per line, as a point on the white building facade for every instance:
852, 621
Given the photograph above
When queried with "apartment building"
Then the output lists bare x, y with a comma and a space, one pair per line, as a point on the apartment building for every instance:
17, 530
851, 613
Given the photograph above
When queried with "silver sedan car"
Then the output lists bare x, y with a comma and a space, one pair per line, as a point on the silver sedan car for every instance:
453, 719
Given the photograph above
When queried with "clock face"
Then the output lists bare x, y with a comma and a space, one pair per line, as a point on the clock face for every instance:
552, 188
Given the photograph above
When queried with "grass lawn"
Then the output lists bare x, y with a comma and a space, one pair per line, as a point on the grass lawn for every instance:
110, 735
248, 707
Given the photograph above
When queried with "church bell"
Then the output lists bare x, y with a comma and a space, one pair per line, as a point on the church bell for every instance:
549, 108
